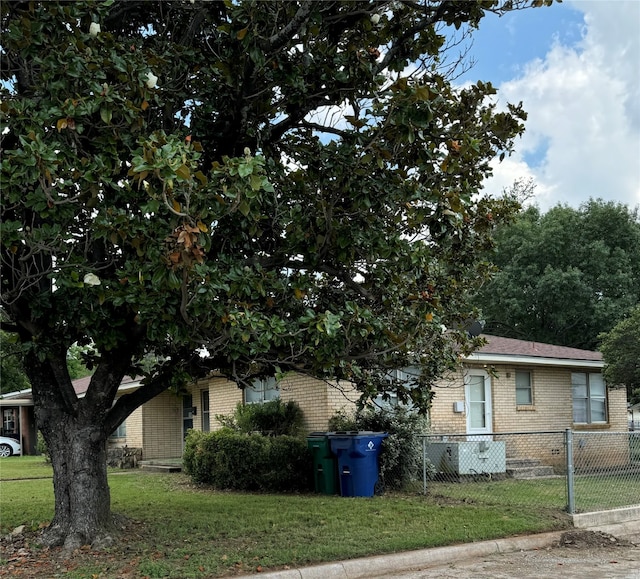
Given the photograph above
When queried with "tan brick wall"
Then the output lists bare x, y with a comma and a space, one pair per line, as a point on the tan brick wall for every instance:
134, 428
311, 396
317, 399
161, 419
442, 418
224, 396
342, 397
552, 407
617, 399
552, 410
133, 437
162, 427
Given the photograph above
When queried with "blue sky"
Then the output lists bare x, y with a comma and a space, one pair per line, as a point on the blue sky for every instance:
576, 67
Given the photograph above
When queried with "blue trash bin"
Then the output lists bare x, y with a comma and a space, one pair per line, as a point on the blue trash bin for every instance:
358, 468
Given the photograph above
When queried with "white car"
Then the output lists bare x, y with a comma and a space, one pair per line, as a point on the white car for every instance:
8, 446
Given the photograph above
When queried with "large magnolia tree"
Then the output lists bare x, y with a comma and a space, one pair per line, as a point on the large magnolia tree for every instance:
235, 187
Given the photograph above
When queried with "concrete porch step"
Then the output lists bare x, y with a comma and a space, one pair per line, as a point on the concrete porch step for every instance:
530, 472
169, 465
522, 462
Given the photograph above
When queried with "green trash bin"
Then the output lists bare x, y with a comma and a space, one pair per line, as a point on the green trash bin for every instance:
325, 466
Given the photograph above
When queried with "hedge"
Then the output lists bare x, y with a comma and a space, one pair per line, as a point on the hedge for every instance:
248, 462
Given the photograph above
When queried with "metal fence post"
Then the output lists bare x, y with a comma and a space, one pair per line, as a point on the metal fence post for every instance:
424, 465
571, 497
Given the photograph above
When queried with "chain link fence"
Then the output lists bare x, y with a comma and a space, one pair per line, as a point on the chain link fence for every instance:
571, 471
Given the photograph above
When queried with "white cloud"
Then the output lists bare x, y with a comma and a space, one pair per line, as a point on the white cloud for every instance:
582, 136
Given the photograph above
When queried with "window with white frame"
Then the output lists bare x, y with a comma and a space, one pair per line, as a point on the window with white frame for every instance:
9, 420
524, 388
261, 391
589, 398
405, 379
120, 432
205, 411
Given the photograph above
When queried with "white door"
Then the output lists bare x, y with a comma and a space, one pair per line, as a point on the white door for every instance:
478, 404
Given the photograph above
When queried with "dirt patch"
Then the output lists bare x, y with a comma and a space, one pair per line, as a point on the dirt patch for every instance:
22, 556
583, 539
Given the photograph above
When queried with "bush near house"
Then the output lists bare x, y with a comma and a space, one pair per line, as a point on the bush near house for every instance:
248, 462
401, 453
273, 418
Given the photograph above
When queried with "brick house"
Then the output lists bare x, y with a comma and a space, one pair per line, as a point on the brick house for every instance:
506, 386
517, 386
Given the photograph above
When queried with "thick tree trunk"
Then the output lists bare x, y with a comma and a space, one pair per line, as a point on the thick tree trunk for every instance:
76, 431
76, 436
82, 498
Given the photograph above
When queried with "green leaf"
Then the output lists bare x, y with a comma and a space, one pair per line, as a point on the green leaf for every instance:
255, 182
106, 115
183, 173
245, 169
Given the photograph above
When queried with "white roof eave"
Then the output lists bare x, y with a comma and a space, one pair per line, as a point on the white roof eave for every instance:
481, 358
16, 402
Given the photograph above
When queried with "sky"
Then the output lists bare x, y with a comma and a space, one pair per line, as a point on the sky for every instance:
576, 68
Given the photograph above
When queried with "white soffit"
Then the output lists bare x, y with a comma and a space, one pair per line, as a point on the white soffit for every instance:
534, 361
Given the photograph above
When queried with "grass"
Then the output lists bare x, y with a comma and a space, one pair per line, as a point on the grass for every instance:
21, 467
180, 530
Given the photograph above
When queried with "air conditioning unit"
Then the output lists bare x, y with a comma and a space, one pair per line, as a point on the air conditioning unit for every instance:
468, 457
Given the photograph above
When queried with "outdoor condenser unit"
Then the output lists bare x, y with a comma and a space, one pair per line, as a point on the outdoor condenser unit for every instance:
468, 457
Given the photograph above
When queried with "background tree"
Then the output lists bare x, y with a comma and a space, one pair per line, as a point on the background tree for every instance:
564, 276
12, 375
245, 187
621, 351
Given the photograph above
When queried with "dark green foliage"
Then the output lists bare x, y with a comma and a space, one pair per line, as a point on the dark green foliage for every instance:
273, 418
12, 371
621, 350
248, 462
564, 276
401, 455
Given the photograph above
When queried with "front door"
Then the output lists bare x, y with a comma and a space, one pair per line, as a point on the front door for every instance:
478, 404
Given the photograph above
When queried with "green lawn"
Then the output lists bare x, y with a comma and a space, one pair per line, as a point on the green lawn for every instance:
20, 467
184, 531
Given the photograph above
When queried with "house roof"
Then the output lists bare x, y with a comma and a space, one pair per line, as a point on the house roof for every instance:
510, 346
499, 349
81, 385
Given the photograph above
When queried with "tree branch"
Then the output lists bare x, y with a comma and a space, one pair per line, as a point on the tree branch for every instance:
277, 41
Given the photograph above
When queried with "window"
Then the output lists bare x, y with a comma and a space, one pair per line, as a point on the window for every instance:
262, 391
9, 421
405, 379
589, 398
524, 391
206, 412
120, 432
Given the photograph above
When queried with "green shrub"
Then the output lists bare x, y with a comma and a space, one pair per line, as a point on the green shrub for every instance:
401, 453
248, 462
41, 447
273, 418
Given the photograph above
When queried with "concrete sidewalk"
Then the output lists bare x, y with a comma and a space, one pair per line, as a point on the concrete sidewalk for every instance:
393, 564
